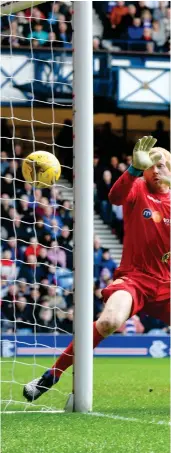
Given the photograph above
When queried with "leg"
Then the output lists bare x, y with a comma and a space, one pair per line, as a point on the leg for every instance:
104, 211
117, 310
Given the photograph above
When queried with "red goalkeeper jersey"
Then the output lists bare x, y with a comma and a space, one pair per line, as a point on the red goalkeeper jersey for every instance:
146, 226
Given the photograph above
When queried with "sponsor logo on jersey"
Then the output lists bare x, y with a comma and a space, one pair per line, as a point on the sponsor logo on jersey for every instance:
147, 213
155, 215
153, 199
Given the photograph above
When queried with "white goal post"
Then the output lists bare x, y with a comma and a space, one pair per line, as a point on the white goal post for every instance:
83, 190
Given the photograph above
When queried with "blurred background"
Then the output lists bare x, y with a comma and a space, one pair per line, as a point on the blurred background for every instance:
131, 44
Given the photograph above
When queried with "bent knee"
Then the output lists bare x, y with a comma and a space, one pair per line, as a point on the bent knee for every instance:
108, 324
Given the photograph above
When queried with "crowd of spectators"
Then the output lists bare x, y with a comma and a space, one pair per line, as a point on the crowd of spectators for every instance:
46, 24
136, 26
37, 239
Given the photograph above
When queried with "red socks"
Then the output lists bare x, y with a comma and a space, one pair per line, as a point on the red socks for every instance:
66, 358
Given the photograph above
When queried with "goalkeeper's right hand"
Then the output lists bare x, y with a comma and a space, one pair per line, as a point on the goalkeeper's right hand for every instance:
142, 158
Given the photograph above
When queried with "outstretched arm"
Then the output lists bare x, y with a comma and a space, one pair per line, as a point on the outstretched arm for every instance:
124, 189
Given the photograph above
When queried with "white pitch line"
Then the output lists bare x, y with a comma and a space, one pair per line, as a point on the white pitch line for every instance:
129, 419
95, 414
32, 412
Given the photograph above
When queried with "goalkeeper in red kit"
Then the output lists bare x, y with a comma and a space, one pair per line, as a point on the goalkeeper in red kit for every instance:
142, 281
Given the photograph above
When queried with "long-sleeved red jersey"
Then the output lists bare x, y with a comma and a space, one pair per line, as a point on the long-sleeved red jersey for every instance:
146, 226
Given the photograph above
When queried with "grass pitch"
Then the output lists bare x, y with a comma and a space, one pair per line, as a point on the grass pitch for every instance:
127, 417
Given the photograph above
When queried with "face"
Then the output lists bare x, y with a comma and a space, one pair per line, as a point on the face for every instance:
62, 27
7, 255
33, 240
43, 253
168, 12
114, 161
31, 259
150, 47
146, 15
27, 187
96, 161
17, 222
8, 178
13, 289
156, 25
48, 211
35, 294
55, 7
107, 176
44, 201
18, 150
70, 314
129, 160
147, 33
52, 291
54, 192
24, 201
67, 204
38, 27
153, 176
137, 22
54, 224
21, 303
13, 165
98, 293
36, 12
65, 232
37, 194
97, 242
23, 286
122, 167
46, 313
96, 43
3, 155
132, 9
12, 242
106, 255
52, 36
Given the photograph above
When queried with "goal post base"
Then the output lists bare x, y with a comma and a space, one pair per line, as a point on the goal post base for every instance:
69, 406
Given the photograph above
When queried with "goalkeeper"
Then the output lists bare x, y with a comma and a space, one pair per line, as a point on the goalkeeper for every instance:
142, 280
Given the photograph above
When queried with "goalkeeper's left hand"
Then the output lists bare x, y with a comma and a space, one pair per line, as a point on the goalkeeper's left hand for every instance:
142, 158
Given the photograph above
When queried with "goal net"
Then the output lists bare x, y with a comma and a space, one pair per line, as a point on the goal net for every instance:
37, 224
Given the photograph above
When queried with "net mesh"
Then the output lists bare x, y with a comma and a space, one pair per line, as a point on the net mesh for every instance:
37, 225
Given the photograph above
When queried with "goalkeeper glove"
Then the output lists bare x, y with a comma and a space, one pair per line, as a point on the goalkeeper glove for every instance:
142, 158
166, 180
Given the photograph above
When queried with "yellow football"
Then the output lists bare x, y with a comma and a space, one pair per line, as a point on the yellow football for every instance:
42, 169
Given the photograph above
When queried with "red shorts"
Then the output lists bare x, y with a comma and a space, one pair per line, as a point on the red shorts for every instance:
148, 293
